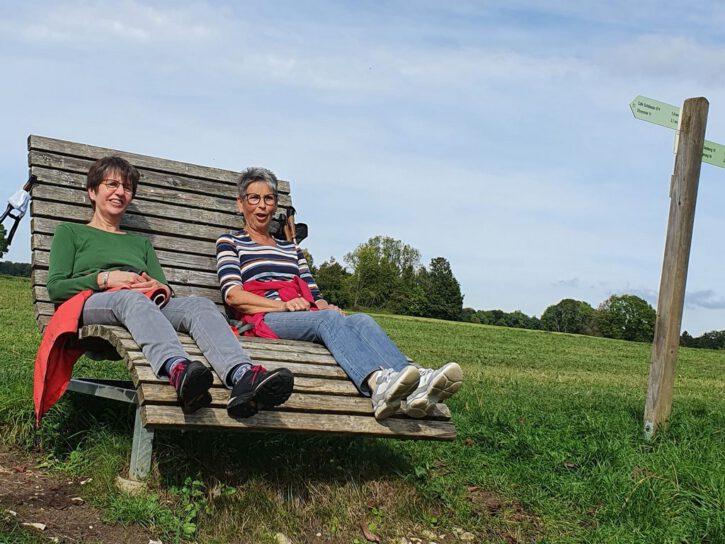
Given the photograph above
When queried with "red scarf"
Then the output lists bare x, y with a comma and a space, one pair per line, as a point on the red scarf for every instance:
288, 290
56, 355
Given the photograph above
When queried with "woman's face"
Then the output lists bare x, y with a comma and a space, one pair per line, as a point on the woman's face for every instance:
112, 196
257, 216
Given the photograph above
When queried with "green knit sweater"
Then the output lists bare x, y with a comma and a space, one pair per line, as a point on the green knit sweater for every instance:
79, 252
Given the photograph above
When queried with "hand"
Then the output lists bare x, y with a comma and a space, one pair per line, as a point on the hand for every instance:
296, 305
322, 304
147, 283
117, 278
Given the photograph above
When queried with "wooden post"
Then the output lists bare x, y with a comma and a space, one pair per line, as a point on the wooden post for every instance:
683, 197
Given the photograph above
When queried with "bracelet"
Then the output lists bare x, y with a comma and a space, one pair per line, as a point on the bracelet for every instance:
105, 279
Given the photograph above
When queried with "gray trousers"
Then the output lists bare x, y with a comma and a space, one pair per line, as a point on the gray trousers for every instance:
154, 329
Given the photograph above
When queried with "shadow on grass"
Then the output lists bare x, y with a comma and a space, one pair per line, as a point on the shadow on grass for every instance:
228, 457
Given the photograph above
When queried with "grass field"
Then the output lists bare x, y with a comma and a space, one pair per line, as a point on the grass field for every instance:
549, 449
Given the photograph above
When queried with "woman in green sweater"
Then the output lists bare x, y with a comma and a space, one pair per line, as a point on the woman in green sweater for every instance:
120, 267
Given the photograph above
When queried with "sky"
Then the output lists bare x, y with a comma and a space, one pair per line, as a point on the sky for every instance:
496, 134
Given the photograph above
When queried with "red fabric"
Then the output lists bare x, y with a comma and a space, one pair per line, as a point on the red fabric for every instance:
55, 358
288, 290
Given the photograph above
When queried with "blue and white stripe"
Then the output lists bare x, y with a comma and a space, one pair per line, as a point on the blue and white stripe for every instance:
240, 259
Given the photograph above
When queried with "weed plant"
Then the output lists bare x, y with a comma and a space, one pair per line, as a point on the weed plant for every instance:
549, 449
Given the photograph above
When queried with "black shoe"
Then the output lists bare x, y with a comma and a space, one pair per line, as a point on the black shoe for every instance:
259, 389
192, 381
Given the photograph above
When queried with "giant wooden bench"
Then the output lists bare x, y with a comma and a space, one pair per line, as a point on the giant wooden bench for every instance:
182, 209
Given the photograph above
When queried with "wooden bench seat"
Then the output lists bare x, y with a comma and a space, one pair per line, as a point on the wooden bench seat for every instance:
182, 209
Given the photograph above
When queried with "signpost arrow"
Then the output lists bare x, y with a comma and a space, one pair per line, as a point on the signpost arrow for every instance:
668, 116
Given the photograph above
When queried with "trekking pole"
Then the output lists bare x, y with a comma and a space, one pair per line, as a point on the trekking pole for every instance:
17, 206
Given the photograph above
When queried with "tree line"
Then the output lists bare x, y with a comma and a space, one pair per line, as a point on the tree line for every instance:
385, 274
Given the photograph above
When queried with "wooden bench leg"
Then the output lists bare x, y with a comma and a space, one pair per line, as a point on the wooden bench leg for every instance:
143, 444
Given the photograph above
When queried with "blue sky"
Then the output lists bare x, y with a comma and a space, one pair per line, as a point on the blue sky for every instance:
496, 134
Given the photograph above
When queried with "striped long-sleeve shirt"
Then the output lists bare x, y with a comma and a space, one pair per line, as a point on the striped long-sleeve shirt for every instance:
240, 259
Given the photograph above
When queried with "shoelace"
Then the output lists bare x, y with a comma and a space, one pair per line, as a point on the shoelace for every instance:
256, 370
425, 374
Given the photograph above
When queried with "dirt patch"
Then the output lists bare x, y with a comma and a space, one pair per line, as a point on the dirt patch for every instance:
30, 495
515, 525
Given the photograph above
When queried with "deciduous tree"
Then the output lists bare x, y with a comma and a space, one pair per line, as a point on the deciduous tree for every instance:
627, 317
568, 315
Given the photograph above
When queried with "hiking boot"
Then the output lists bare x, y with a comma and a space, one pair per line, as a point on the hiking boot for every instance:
192, 381
259, 389
435, 386
391, 387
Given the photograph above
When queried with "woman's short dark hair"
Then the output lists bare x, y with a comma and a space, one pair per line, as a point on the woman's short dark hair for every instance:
107, 165
254, 174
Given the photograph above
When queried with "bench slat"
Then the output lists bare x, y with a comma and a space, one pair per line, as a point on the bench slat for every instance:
191, 192
73, 151
270, 360
175, 276
143, 374
168, 259
132, 221
165, 394
273, 420
204, 248
221, 220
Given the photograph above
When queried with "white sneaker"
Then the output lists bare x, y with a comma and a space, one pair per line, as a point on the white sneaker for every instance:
435, 386
391, 387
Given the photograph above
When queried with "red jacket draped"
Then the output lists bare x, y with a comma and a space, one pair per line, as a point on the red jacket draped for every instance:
288, 290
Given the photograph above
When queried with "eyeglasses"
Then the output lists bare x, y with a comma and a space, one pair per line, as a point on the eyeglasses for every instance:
113, 185
254, 199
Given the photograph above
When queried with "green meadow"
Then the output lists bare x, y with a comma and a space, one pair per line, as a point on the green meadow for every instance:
549, 449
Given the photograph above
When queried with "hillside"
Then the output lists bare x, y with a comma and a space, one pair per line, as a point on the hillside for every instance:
549, 449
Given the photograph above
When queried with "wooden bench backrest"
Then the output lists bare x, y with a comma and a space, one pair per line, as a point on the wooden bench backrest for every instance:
182, 208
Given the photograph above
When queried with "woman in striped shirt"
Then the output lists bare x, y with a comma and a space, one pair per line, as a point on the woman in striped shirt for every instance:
267, 282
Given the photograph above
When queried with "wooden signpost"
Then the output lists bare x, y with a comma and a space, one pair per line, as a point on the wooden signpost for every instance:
691, 150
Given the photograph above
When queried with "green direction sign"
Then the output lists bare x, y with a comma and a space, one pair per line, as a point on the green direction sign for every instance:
667, 115
654, 111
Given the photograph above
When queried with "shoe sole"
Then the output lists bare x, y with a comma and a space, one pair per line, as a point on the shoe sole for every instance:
270, 392
405, 384
195, 390
442, 387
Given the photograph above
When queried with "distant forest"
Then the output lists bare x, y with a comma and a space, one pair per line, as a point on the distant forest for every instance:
10, 268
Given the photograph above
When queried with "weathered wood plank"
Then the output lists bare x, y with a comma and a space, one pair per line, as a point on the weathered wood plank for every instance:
143, 374
40, 292
168, 259
220, 220
88, 153
132, 221
165, 394
175, 276
190, 192
105, 331
260, 353
274, 420
298, 368
172, 243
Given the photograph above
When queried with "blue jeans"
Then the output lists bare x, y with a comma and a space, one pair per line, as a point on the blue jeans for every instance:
357, 342
154, 329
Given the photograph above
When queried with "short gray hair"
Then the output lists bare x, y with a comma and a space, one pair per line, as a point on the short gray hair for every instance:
254, 174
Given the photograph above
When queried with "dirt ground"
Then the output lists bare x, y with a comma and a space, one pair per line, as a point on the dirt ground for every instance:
29, 495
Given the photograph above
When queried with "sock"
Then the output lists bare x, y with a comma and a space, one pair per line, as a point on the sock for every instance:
171, 364
238, 371
372, 379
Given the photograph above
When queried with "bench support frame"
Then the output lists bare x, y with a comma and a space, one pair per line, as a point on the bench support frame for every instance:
143, 438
